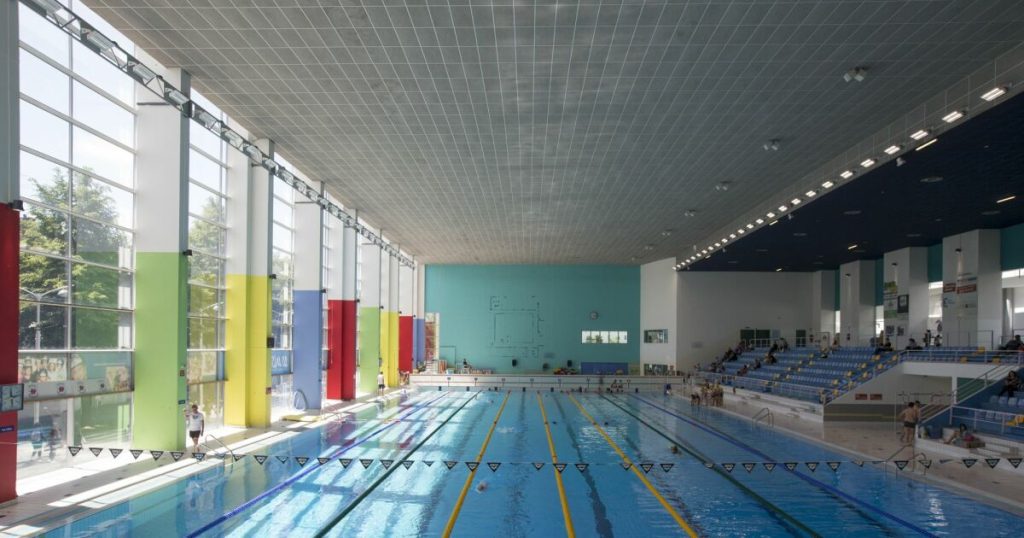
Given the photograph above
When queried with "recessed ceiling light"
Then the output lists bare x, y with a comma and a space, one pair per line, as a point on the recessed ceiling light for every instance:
741, 231
666, 233
994, 93
689, 212
782, 209
778, 270
990, 212
810, 194
795, 201
867, 163
827, 185
926, 144
1007, 199
773, 223
770, 215
846, 174
918, 135
851, 212
931, 179
751, 226
733, 236
953, 116
759, 221
717, 245
893, 149
725, 240
851, 247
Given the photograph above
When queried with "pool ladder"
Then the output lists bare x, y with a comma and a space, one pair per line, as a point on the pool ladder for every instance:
221, 443
915, 458
765, 415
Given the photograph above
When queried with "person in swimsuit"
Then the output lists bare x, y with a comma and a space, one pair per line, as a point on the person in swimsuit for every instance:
909, 416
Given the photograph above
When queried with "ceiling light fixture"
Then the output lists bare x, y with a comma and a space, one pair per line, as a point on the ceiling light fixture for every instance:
926, 144
779, 270
953, 116
918, 135
783, 209
758, 221
770, 215
750, 226
232, 137
851, 247
827, 185
773, 223
207, 119
994, 93
717, 245
846, 174
100, 41
175, 96
145, 74
810, 194
723, 186
741, 231
689, 212
867, 163
795, 201
733, 236
49, 6
857, 73
893, 149
771, 145
1007, 199
253, 152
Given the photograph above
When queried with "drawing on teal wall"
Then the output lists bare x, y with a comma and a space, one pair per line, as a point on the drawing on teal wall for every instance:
535, 315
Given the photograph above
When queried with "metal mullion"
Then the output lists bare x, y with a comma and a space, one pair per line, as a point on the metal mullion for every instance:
79, 215
75, 123
193, 181
74, 168
220, 257
208, 221
75, 260
208, 156
70, 72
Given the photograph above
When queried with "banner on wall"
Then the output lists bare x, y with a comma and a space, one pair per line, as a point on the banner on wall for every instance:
60, 375
967, 296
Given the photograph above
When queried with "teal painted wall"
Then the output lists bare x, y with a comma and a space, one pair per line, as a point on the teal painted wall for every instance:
490, 314
1012, 247
935, 263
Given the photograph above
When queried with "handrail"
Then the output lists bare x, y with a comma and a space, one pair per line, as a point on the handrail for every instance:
228, 449
766, 415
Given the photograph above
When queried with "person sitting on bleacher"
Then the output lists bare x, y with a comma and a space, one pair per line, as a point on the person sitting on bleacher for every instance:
1014, 345
963, 437
742, 371
1011, 384
783, 345
757, 364
770, 359
912, 345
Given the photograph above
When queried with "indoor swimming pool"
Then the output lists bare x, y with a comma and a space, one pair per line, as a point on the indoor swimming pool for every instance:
404, 469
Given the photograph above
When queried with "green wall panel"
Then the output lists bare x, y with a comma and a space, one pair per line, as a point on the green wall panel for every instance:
1012, 247
535, 314
935, 263
369, 350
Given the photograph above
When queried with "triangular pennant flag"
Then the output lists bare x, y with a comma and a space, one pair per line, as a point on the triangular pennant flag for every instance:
901, 464
1014, 461
626, 466
177, 455
992, 462
366, 463
560, 467
768, 466
301, 460
729, 466
968, 462
282, 459
834, 465
472, 465
345, 462
667, 466
748, 466
812, 465
199, 456
582, 466
450, 464
927, 463
260, 458
238, 456
709, 464
74, 450
790, 465
493, 465
407, 463
647, 467
387, 463
323, 461
428, 463
538, 465
96, 451
156, 454
858, 463
136, 452
116, 451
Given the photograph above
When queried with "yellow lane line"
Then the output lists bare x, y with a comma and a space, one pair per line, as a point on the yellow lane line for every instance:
668, 507
569, 531
469, 479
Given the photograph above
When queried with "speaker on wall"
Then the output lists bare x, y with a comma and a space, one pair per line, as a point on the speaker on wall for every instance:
515, 363
568, 363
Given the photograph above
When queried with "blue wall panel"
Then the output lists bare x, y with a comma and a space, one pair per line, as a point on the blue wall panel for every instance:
307, 345
535, 314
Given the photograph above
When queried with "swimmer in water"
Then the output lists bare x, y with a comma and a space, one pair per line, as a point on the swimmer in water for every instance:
674, 449
481, 487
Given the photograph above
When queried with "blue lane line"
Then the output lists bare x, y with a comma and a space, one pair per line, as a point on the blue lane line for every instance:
827, 487
248, 504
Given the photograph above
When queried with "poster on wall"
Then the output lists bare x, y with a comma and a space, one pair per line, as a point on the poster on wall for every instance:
656, 336
967, 296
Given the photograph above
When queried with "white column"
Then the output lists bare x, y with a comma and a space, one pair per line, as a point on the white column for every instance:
972, 289
857, 302
823, 305
905, 289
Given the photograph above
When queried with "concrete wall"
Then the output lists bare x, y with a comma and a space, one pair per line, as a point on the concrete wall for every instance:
658, 290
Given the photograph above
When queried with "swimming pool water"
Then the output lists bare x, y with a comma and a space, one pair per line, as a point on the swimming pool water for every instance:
284, 499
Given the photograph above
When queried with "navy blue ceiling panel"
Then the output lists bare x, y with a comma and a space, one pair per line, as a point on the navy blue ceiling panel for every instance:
891, 207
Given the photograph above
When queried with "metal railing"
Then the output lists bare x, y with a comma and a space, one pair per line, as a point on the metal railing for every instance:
206, 441
781, 388
991, 421
766, 415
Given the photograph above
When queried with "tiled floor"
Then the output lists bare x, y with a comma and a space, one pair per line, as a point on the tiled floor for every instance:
97, 482
1001, 486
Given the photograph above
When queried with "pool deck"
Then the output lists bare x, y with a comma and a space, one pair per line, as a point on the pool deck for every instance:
1002, 486
74, 491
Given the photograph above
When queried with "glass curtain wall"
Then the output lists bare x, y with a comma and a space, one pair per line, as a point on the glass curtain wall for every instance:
207, 237
282, 265
77, 257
